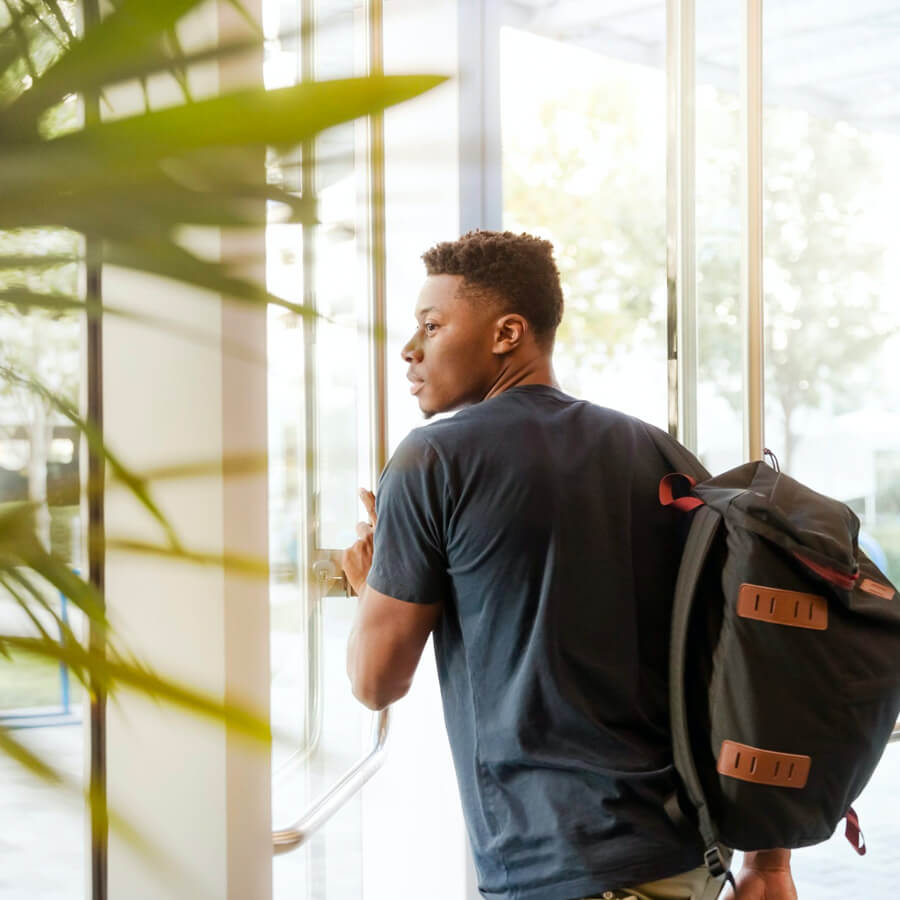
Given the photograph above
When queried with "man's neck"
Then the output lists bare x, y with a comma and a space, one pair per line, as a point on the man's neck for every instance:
538, 370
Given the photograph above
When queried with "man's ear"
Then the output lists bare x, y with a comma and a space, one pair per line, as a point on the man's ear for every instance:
509, 333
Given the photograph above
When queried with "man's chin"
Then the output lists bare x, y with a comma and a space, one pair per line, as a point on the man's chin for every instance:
428, 410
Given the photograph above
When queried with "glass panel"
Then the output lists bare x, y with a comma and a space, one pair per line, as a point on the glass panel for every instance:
584, 165
832, 137
341, 335
40, 700
318, 436
341, 289
718, 234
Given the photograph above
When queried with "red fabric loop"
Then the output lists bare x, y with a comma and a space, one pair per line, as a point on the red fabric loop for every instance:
667, 494
839, 578
853, 833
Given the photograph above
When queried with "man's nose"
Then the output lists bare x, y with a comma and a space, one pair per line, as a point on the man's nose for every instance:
412, 351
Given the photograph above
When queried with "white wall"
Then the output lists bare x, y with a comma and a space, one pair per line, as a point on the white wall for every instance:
197, 794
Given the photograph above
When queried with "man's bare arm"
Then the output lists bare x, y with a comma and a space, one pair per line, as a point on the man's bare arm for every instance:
385, 646
388, 634
764, 875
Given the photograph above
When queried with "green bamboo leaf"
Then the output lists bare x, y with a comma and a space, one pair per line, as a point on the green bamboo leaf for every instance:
28, 301
168, 260
27, 759
253, 117
9, 49
155, 204
25, 300
231, 562
21, 38
20, 546
68, 635
26, 607
61, 20
178, 67
113, 671
155, 60
230, 466
39, 20
24, 261
35, 596
95, 441
128, 30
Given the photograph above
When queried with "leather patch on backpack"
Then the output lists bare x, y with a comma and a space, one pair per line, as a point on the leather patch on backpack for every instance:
760, 766
780, 607
874, 587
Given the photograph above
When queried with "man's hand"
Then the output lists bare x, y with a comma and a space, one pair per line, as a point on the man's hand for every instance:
764, 875
356, 560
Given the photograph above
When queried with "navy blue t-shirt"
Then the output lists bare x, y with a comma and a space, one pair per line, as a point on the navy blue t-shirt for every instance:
534, 517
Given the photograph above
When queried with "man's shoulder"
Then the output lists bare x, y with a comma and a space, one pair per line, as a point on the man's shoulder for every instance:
515, 423
537, 403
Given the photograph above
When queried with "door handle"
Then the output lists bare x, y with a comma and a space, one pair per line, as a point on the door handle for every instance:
328, 579
350, 783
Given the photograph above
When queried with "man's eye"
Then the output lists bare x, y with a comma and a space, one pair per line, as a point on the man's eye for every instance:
430, 327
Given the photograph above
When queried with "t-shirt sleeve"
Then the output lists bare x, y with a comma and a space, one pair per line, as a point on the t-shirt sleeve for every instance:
409, 560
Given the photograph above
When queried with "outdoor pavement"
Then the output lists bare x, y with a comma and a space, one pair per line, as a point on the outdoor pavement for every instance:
42, 833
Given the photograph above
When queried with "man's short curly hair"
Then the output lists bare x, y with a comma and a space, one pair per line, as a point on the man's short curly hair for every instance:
515, 271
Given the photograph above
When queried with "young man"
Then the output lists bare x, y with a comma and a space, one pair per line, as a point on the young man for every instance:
525, 533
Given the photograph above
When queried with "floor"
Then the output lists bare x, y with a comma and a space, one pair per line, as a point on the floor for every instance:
42, 835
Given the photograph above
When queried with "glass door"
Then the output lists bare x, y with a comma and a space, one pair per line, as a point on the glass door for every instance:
584, 165
319, 389
831, 137
42, 705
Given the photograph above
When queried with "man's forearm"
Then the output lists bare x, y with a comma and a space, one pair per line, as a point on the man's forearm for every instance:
375, 687
353, 643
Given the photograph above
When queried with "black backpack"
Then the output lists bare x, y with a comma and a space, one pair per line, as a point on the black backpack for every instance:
784, 658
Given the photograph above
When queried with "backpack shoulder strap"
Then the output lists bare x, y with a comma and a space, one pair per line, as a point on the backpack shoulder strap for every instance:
677, 456
704, 526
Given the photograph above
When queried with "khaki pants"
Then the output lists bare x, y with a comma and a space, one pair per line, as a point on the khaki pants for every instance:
697, 884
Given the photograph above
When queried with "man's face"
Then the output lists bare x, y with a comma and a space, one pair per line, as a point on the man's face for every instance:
450, 356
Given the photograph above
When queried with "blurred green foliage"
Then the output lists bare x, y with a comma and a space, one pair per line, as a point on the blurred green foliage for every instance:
127, 184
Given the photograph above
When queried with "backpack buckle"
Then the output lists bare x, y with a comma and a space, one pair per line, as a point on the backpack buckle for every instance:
714, 862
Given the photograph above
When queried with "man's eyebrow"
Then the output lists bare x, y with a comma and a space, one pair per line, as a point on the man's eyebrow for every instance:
427, 309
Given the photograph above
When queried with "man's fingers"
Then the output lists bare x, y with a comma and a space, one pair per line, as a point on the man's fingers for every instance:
363, 530
368, 501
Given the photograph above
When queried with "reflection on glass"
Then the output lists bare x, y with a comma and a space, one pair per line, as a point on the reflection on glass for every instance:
342, 359
318, 396
42, 702
831, 141
584, 166
341, 291
718, 234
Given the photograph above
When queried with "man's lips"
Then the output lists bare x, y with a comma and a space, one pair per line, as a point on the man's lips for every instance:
417, 384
